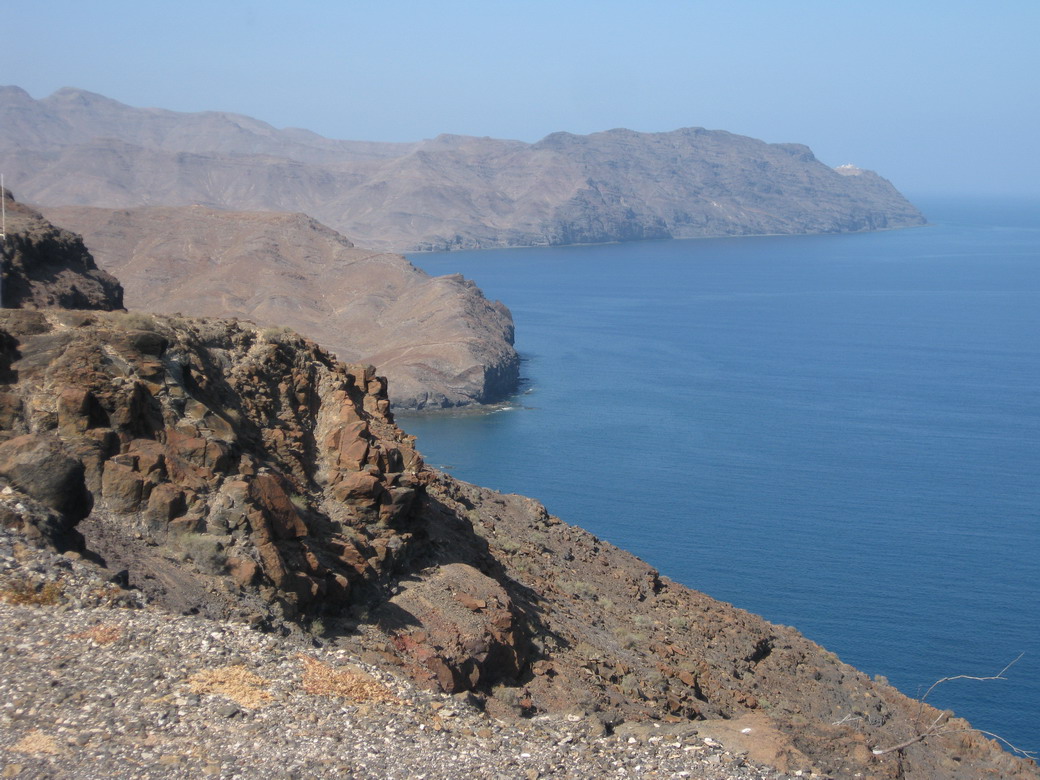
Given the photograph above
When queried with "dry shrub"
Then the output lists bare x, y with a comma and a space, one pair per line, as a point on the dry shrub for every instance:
320, 679
236, 682
101, 634
23, 593
36, 742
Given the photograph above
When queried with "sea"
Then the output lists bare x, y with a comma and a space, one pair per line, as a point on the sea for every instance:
837, 432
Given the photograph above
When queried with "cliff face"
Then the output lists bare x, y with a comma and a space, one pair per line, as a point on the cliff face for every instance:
46, 266
451, 192
245, 474
439, 341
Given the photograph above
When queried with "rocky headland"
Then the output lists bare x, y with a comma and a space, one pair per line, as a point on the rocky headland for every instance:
438, 340
221, 556
450, 192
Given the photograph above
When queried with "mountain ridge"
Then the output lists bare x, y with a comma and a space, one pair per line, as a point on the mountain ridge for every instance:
449, 192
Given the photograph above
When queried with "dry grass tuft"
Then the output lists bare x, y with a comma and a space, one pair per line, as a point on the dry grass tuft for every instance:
23, 593
236, 682
320, 679
36, 742
101, 634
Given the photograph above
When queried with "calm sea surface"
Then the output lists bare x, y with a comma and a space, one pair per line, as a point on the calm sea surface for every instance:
840, 433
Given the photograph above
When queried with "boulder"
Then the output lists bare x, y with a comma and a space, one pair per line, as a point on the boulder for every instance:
459, 625
38, 465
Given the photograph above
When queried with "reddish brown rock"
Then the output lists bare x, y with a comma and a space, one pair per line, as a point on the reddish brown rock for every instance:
243, 571
165, 503
462, 645
268, 491
356, 485
122, 486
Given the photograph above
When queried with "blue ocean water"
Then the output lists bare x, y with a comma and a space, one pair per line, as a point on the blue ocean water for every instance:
840, 433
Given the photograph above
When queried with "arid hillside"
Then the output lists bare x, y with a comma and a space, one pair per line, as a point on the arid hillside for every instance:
450, 192
439, 340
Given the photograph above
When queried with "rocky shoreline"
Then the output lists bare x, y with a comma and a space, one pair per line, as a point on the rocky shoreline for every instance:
445, 193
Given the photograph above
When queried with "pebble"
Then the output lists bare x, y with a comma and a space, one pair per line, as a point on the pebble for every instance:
101, 687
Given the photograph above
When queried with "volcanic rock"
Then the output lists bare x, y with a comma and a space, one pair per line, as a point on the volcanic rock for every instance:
47, 266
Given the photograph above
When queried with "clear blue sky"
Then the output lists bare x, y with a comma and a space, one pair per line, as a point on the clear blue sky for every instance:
936, 96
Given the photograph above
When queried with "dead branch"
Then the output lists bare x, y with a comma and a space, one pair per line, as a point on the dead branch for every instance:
936, 728
998, 676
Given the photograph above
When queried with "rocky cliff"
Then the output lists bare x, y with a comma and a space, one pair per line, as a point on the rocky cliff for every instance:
246, 475
439, 341
451, 192
47, 266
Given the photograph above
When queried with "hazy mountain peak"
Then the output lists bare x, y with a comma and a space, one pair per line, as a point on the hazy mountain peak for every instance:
449, 192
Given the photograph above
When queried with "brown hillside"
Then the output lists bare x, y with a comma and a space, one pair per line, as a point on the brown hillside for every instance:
450, 192
439, 340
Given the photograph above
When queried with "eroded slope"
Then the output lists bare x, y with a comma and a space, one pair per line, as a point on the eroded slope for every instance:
438, 339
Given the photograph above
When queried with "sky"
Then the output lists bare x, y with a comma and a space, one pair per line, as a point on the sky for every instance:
940, 98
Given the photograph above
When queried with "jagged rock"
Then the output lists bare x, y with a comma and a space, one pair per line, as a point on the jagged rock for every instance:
458, 625
39, 465
46, 266
175, 446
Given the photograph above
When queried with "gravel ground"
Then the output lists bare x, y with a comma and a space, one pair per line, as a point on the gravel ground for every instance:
96, 683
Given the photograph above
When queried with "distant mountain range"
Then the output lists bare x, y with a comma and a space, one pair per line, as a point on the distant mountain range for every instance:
451, 192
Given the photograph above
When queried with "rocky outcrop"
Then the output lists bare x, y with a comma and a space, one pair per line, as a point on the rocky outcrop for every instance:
257, 455
439, 341
47, 266
246, 475
450, 192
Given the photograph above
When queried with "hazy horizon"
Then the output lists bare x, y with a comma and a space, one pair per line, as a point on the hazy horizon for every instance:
936, 103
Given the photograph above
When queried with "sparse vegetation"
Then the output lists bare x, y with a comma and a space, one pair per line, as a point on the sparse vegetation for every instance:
509, 546
101, 634
36, 742
206, 550
578, 589
279, 335
236, 683
632, 640
320, 679
24, 593
630, 685
679, 623
137, 320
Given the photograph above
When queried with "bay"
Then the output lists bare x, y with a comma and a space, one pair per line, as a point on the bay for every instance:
840, 433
